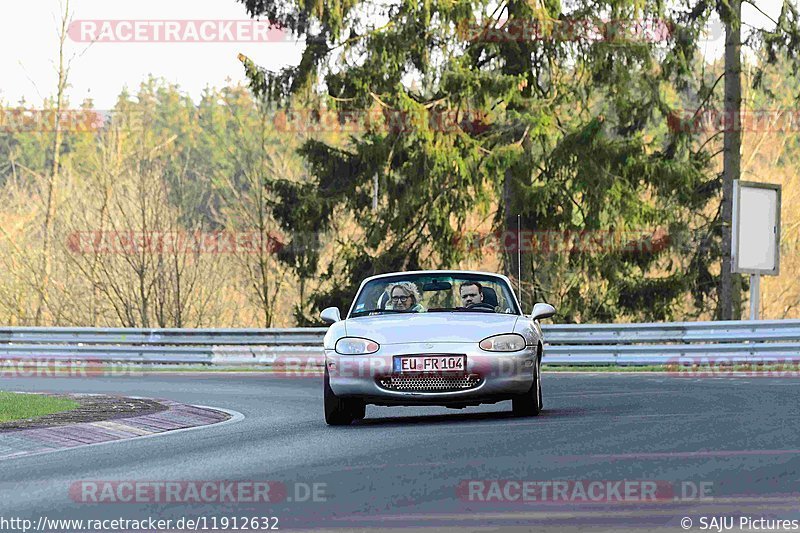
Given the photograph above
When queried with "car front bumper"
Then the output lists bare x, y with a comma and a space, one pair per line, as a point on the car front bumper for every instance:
496, 376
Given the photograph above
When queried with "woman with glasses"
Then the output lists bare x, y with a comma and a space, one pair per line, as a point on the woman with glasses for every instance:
405, 297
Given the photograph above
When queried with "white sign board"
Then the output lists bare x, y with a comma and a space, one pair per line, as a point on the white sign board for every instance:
756, 228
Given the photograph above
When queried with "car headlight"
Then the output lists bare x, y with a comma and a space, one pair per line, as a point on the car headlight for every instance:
356, 346
508, 342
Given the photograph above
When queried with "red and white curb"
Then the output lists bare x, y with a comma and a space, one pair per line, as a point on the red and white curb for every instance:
177, 417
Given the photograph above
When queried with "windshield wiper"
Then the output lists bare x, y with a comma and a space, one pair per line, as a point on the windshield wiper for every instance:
459, 310
375, 312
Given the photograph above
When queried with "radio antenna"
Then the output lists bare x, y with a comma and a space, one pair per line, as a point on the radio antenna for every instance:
519, 259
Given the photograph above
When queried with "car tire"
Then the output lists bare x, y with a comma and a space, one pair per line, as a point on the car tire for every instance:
338, 411
530, 402
359, 409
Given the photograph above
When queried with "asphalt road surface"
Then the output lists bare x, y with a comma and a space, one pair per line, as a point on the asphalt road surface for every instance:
609, 452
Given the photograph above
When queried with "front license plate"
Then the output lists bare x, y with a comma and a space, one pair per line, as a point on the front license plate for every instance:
430, 363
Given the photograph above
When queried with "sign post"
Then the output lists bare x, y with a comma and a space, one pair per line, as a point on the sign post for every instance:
756, 234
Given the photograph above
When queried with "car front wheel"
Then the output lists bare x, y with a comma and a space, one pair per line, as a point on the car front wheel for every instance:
340, 411
530, 403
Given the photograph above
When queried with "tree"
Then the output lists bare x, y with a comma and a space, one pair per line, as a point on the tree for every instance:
253, 158
784, 40
53, 181
568, 132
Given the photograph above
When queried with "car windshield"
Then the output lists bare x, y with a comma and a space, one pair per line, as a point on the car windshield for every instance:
435, 293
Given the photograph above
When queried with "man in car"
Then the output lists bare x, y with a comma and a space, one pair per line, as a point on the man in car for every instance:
471, 293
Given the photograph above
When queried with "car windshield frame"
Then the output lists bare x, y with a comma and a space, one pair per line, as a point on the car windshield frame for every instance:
471, 276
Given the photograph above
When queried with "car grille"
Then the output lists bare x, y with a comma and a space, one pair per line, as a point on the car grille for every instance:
429, 382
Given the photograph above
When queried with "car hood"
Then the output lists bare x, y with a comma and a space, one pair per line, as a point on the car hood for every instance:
430, 327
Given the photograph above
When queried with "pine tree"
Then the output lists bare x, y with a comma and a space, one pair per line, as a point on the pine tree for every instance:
557, 114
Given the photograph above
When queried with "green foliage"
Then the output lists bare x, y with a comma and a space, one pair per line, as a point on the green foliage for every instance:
781, 43
568, 133
19, 406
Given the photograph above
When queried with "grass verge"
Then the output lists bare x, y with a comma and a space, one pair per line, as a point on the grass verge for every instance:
604, 368
16, 406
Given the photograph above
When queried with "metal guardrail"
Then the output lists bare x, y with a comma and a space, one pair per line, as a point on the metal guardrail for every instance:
577, 344
761, 341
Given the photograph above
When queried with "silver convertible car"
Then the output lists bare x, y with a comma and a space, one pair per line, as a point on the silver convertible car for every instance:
437, 337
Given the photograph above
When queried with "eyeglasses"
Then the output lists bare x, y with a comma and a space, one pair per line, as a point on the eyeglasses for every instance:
400, 298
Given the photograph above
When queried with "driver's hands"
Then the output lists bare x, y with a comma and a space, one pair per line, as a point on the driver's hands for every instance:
481, 305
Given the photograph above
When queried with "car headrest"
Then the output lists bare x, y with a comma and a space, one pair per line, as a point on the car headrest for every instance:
383, 300
489, 296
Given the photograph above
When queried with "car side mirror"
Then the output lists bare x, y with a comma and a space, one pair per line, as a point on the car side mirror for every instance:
541, 310
329, 315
